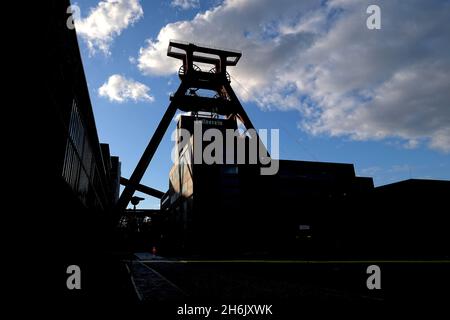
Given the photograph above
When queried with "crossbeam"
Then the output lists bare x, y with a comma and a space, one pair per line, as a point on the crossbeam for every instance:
144, 189
204, 54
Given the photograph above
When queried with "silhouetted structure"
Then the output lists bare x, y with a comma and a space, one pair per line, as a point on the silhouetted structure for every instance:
215, 79
84, 167
232, 207
75, 180
307, 208
410, 219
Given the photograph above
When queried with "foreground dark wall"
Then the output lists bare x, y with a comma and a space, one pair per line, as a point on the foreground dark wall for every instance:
70, 184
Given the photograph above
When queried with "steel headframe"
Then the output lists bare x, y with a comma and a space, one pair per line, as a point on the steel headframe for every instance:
191, 76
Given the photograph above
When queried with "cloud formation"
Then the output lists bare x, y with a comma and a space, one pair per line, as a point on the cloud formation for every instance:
185, 4
107, 21
320, 59
120, 89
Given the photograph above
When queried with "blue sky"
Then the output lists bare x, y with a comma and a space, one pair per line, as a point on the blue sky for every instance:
338, 92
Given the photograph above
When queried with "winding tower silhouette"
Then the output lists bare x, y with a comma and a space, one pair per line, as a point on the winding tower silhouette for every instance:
186, 99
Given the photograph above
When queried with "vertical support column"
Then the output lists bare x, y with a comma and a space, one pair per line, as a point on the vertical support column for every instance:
243, 115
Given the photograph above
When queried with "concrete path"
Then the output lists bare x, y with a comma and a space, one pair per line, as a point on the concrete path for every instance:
149, 284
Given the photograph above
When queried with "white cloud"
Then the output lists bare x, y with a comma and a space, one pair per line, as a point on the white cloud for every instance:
120, 89
107, 21
390, 174
370, 171
185, 4
321, 60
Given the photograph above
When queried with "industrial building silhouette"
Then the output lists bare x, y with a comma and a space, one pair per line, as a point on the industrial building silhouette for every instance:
312, 209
